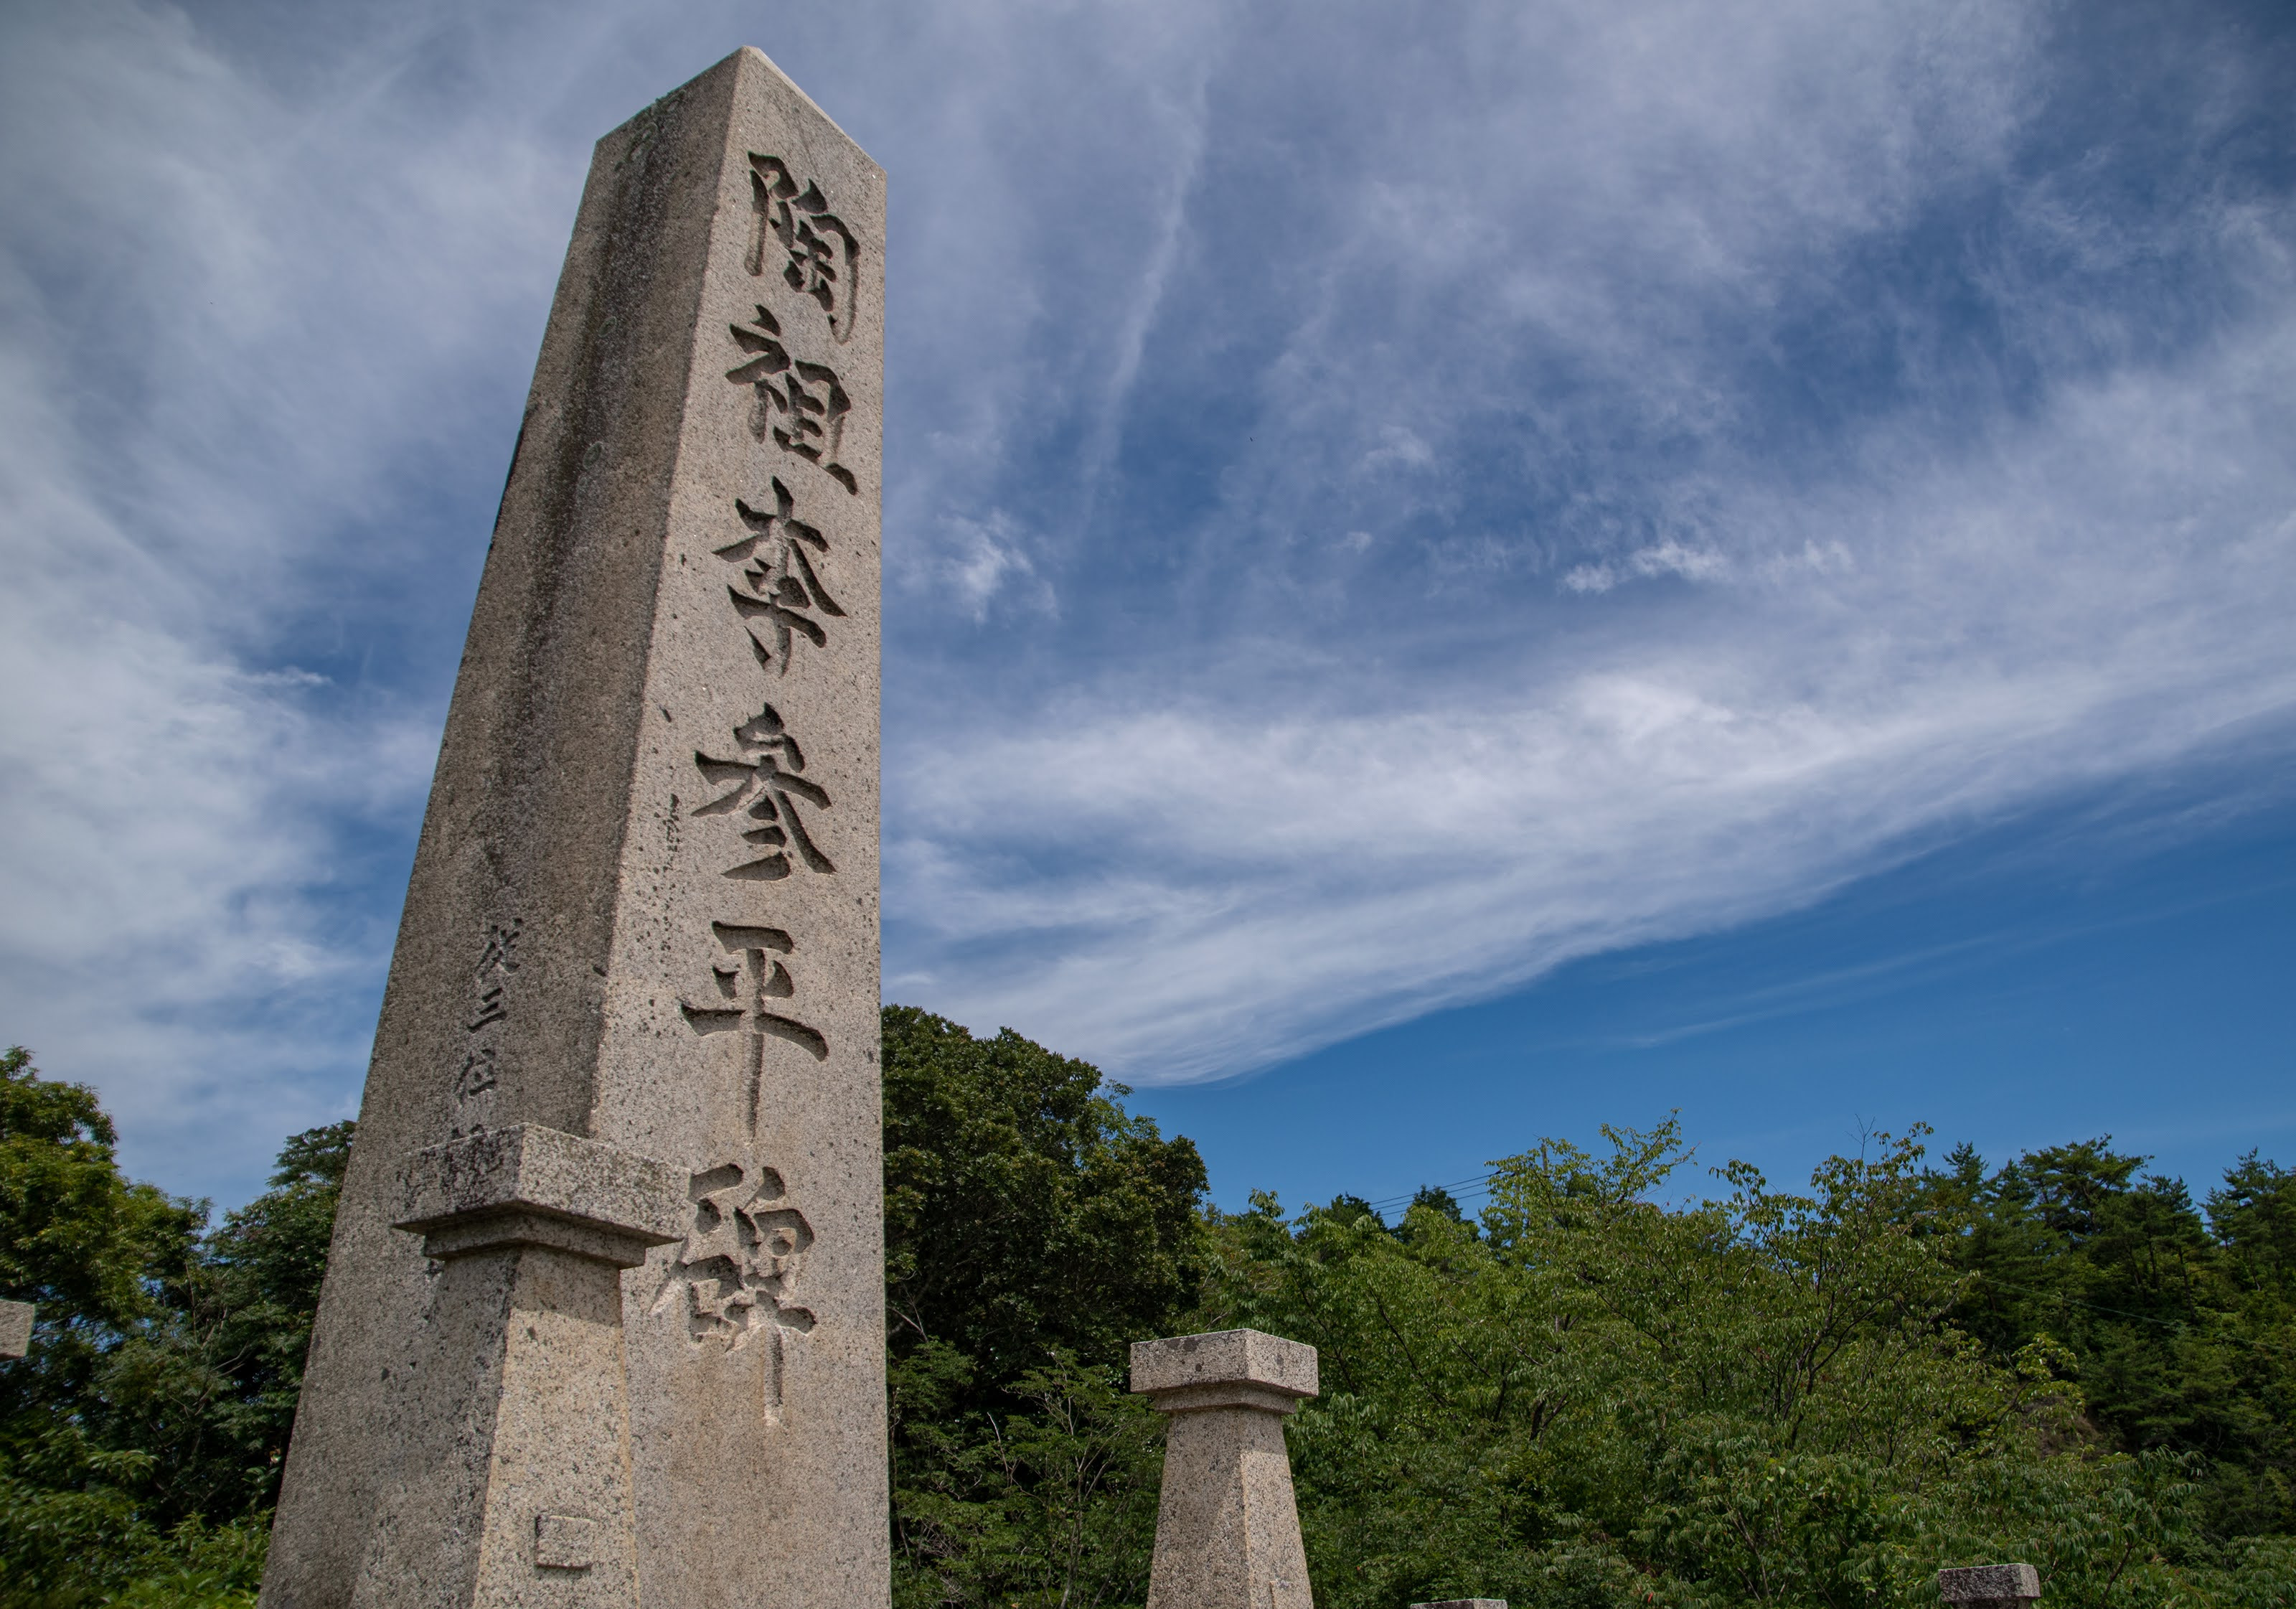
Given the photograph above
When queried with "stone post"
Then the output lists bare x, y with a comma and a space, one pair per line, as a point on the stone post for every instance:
603, 1314
1991, 1586
15, 1329
1227, 1532
528, 1230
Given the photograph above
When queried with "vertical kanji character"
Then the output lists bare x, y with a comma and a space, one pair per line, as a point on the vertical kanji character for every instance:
780, 585
767, 780
810, 244
800, 406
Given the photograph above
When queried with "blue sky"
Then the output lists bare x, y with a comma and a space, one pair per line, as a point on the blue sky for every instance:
1454, 573
2080, 993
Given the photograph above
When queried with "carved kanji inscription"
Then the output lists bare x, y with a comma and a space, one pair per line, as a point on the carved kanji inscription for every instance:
800, 406
766, 788
780, 592
808, 244
752, 992
489, 1008
735, 1281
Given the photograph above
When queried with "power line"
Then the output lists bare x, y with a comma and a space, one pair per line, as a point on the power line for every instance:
1405, 1200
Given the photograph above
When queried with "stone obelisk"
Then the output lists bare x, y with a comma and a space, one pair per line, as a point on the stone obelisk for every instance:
603, 1318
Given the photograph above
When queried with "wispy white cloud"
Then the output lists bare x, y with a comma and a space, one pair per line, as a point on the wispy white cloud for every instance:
218, 372
1788, 305
1215, 883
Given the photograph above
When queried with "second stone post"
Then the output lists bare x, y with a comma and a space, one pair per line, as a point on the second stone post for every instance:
1227, 1530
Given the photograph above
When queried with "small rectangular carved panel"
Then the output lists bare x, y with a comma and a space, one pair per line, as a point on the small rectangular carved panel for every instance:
565, 1541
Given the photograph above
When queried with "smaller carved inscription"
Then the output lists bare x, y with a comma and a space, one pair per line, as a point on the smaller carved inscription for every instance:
797, 233
801, 406
768, 788
781, 589
477, 1072
489, 1008
497, 961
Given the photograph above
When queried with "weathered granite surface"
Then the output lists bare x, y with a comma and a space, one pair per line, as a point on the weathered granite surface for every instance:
1464, 1602
1227, 1528
15, 1328
1990, 1585
534, 1187
604, 1312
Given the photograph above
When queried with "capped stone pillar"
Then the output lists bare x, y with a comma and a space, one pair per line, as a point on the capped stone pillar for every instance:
528, 1230
603, 1319
1227, 1528
1991, 1586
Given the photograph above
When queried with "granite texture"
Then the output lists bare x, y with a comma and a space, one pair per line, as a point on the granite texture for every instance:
1227, 1528
562, 1175
519, 1409
1224, 1357
1990, 1585
642, 917
1464, 1602
15, 1328
530, 1185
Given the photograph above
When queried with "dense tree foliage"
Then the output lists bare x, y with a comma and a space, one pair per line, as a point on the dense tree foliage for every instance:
1606, 1398
139, 1441
1603, 1390
2181, 1326
1033, 1230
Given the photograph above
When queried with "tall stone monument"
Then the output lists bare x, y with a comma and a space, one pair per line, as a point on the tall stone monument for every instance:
603, 1314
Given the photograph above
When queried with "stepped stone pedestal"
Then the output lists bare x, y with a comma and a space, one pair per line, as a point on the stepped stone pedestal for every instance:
1227, 1528
603, 1314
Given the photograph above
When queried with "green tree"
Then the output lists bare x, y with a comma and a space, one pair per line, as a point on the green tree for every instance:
76, 1237
105, 1260
268, 1260
1033, 1229
1610, 1397
2254, 1219
140, 1442
2178, 1327
213, 1389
